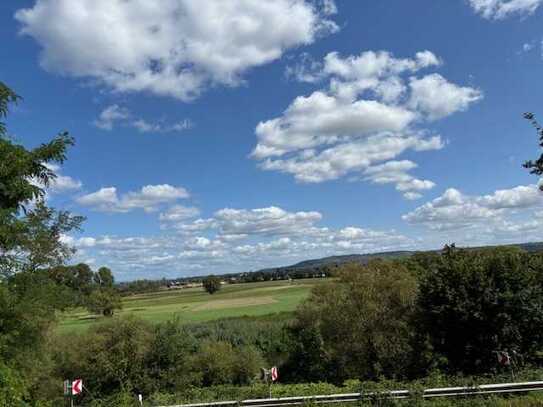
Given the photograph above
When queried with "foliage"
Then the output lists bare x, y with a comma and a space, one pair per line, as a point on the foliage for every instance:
212, 284
29, 239
220, 363
104, 277
473, 303
535, 167
267, 334
104, 301
12, 387
39, 243
110, 357
358, 327
171, 361
140, 286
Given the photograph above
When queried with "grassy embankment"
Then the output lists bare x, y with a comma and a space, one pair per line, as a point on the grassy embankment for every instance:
194, 304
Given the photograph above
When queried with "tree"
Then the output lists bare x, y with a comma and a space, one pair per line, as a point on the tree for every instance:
29, 239
212, 284
30, 243
79, 278
39, 244
104, 301
104, 277
358, 327
535, 167
473, 303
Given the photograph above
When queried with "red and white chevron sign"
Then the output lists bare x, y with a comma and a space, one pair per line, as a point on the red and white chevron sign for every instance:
77, 386
274, 374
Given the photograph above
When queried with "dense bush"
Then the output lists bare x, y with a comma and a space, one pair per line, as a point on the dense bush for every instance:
357, 327
474, 303
109, 357
266, 333
130, 354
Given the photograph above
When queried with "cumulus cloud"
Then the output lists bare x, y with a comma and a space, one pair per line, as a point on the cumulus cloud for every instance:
149, 198
370, 113
114, 115
500, 9
174, 48
436, 97
395, 172
455, 210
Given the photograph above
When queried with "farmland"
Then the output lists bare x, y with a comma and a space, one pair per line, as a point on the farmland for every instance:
194, 304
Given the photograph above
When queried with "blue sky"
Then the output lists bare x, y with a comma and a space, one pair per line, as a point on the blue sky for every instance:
222, 136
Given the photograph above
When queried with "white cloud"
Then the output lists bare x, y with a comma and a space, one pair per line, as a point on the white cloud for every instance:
146, 127
434, 96
149, 198
454, 210
110, 115
395, 172
114, 115
179, 213
370, 113
175, 48
500, 9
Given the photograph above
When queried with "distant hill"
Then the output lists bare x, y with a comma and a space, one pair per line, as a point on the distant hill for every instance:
335, 261
315, 265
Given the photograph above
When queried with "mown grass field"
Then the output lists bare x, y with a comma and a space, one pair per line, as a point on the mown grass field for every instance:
194, 304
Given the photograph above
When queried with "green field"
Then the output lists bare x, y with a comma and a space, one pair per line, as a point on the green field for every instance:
194, 304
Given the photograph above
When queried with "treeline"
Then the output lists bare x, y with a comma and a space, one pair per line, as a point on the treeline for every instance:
148, 286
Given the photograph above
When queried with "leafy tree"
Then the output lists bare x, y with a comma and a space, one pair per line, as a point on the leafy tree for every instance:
39, 244
212, 284
104, 277
79, 278
535, 167
104, 301
473, 303
32, 241
358, 327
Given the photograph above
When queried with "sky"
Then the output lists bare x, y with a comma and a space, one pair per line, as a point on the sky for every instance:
219, 136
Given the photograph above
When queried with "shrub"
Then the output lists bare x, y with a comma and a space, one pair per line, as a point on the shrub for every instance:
212, 284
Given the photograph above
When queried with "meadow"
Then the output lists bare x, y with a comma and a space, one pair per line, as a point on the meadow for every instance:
195, 305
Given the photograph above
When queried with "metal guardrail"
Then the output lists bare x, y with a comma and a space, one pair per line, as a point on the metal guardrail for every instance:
485, 389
